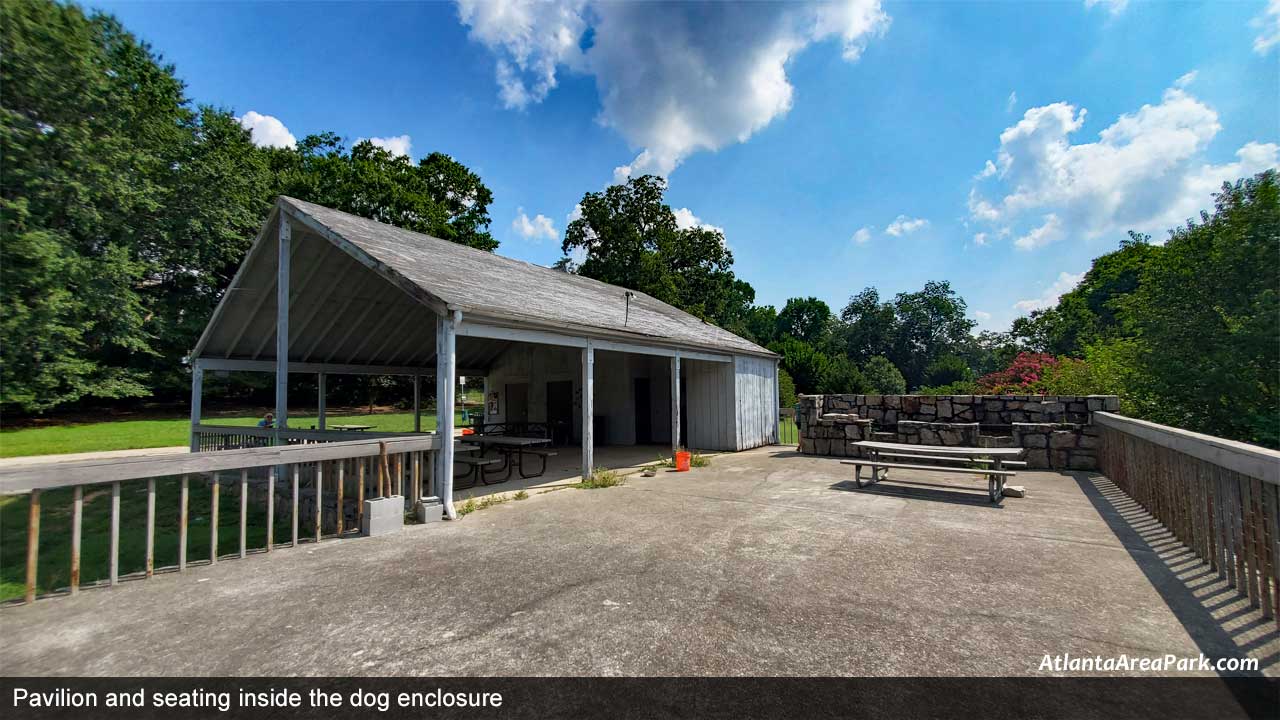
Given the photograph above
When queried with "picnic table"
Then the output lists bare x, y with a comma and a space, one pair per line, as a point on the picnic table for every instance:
351, 428
513, 449
962, 459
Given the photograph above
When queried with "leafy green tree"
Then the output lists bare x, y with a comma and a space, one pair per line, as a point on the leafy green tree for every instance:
806, 365
842, 376
437, 196
868, 326
947, 370
1090, 312
786, 389
761, 325
91, 129
629, 237
929, 323
883, 378
806, 319
1207, 311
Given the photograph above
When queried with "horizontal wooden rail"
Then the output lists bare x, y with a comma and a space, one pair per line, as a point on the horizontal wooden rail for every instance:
20, 480
1219, 497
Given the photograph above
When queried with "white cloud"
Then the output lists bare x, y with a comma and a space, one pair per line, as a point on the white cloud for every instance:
1115, 7
535, 229
903, 225
1146, 171
574, 214
1186, 79
1050, 231
980, 238
862, 236
1268, 26
1012, 102
673, 78
398, 145
1065, 283
685, 219
267, 131
981, 316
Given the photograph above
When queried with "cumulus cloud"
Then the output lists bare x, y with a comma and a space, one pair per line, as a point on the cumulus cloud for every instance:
673, 78
1268, 26
862, 236
981, 316
266, 130
1146, 172
903, 225
1064, 284
398, 145
537, 228
685, 219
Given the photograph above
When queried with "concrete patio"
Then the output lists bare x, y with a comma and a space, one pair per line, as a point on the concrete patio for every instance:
765, 563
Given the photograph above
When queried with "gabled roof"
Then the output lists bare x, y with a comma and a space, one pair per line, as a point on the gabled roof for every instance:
490, 285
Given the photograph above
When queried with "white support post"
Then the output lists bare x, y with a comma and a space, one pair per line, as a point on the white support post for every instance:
282, 326
588, 398
197, 396
446, 366
675, 405
320, 401
417, 403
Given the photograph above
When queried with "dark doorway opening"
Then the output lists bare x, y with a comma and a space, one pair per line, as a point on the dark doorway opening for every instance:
644, 411
560, 411
517, 403
684, 413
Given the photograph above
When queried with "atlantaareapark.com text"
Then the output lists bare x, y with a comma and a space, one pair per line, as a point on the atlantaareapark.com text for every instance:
1129, 663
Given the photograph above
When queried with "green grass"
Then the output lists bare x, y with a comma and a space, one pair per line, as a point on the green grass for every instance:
137, 434
601, 478
53, 569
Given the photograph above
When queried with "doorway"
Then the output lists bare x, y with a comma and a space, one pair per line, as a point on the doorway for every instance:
560, 411
644, 412
517, 403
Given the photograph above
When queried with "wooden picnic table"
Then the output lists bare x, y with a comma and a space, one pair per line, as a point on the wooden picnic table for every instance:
352, 428
1000, 458
509, 446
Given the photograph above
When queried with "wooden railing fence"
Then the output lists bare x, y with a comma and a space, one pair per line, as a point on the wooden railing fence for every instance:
1218, 497
350, 470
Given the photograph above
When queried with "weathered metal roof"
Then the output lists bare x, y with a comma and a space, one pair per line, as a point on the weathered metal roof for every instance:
490, 285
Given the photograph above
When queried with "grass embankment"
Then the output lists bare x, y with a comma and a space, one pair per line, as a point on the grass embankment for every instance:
138, 434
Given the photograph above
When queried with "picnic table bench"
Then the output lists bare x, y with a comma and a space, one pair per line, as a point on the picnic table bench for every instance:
513, 448
991, 461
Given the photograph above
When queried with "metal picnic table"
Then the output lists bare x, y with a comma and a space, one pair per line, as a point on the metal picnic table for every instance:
351, 428
1000, 458
510, 445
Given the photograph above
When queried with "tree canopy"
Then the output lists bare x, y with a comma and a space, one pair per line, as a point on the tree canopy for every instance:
627, 235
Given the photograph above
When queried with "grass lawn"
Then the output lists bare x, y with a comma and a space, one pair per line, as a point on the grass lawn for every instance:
136, 434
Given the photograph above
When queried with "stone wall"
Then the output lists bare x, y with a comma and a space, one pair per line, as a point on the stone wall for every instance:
1055, 430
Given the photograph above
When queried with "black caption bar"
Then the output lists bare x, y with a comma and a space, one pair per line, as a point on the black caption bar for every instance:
730, 698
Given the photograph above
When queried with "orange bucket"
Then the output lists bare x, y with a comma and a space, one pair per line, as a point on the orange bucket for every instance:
682, 461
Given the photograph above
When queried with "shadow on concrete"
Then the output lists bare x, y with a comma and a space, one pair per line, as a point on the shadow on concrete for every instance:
909, 490
1216, 617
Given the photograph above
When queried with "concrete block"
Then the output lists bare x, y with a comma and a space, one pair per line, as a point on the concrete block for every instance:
430, 510
383, 516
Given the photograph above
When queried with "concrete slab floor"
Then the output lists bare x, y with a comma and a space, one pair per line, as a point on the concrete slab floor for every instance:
765, 563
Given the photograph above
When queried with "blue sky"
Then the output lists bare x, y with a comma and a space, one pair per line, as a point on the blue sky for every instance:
1000, 146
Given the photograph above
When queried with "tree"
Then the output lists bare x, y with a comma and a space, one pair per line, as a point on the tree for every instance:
630, 238
438, 196
91, 130
883, 378
786, 389
1207, 312
930, 323
803, 363
947, 370
842, 376
868, 326
805, 319
761, 325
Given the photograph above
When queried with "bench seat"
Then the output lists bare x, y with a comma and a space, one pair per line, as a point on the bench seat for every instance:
953, 458
904, 466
